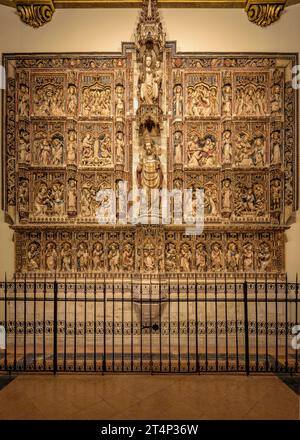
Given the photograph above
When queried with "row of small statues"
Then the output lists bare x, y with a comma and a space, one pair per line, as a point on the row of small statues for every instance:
233, 257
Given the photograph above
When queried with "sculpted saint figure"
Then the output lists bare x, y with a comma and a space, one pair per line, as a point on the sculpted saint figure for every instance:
178, 101
120, 147
66, 257
248, 257
72, 146
82, 257
149, 171
227, 147
232, 257
98, 257
148, 80
201, 257
216, 256
275, 148
178, 147
185, 258
33, 256
128, 257
51, 257
72, 196
227, 196
264, 257
114, 258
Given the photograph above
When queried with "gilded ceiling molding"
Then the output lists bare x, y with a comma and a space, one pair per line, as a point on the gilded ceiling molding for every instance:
35, 12
264, 12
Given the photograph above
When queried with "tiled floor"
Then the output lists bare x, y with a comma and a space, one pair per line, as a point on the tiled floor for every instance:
148, 397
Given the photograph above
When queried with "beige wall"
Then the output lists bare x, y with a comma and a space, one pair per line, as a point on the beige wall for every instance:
194, 29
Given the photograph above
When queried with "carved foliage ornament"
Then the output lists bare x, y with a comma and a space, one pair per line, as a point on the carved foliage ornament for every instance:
35, 12
264, 12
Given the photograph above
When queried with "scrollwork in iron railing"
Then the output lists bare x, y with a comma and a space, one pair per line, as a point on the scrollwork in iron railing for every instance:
35, 12
264, 13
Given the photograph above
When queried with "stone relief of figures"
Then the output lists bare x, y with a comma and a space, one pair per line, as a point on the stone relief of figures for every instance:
48, 97
93, 205
250, 151
250, 199
250, 100
96, 147
96, 100
202, 100
49, 199
48, 148
202, 152
96, 252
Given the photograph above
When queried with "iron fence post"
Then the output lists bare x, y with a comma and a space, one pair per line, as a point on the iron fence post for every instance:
246, 328
55, 289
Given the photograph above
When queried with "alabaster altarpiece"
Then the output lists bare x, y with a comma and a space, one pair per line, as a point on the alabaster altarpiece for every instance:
157, 119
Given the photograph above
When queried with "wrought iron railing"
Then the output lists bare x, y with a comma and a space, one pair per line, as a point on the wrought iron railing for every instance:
158, 325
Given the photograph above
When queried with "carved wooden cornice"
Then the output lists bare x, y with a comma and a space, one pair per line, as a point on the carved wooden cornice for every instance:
38, 12
35, 12
264, 12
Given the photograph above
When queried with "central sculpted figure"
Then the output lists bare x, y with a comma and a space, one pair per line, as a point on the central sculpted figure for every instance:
150, 81
149, 171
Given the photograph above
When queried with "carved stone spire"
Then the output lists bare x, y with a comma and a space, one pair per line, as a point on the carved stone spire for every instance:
149, 32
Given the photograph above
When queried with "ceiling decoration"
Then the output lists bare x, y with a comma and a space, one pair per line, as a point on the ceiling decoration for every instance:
35, 13
38, 12
264, 13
